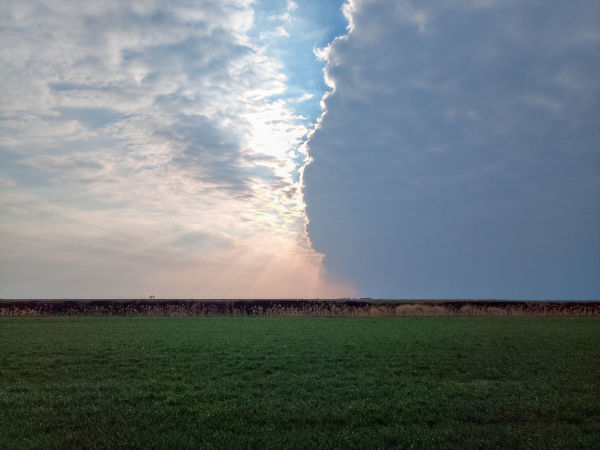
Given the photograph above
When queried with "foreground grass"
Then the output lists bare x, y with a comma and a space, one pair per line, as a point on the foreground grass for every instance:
152, 382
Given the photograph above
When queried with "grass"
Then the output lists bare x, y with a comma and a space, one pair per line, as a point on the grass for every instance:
252, 382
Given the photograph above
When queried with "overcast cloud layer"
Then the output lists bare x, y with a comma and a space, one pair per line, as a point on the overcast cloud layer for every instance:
146, 149
460, 152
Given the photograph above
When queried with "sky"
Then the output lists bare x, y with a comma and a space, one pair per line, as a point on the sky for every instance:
307, 149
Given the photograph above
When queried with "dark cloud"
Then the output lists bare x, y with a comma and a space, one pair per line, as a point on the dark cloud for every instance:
210, 154
91, 118
460, 151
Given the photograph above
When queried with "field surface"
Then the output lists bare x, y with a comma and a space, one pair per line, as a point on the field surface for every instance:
274, 382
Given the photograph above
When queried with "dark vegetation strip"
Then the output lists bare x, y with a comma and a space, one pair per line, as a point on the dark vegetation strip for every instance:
341, 307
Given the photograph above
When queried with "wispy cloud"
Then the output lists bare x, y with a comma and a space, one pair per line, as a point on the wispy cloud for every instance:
145, 152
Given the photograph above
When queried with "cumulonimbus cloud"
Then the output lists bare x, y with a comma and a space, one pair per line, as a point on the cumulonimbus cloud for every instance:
459, 152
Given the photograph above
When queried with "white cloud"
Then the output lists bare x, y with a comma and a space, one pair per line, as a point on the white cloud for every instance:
131, 126
277, 33
305, 97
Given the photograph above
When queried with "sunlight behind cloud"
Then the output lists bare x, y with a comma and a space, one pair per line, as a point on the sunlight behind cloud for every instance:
144, 151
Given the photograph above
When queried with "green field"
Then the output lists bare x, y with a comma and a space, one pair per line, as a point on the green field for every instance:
250, 382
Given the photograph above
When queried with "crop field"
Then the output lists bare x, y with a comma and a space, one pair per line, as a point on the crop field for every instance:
299, 382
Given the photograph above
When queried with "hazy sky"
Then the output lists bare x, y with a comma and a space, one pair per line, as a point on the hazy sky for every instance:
159, 148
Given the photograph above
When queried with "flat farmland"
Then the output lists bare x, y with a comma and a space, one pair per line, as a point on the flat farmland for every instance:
299, 382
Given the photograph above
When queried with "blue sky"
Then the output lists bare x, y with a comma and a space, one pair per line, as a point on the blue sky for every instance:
308, 25
300, 149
